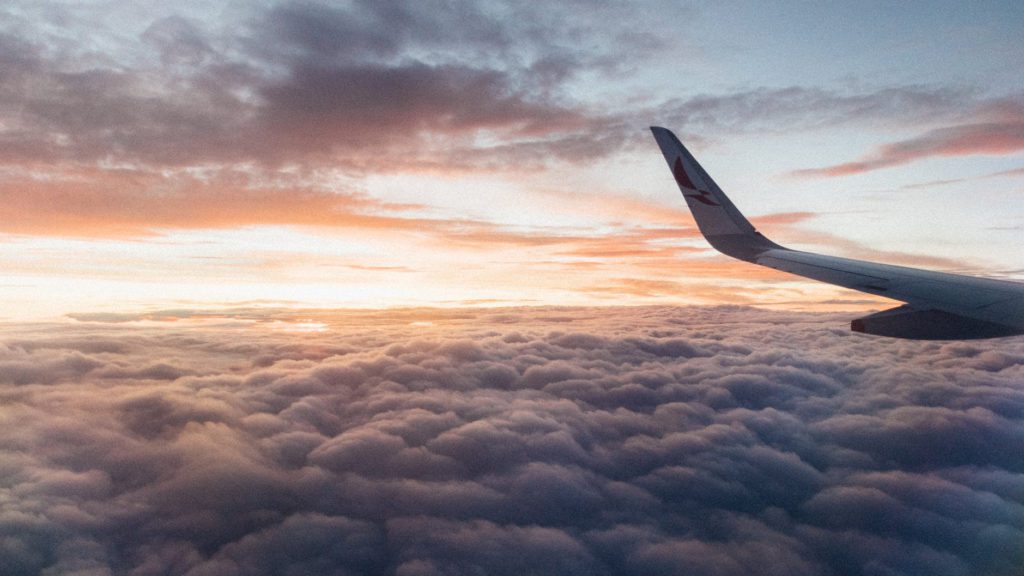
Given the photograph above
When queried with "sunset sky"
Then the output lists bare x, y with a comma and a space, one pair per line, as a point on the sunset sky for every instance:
405, 287
387, 153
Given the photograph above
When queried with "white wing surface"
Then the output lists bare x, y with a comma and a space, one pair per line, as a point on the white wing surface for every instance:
939, 305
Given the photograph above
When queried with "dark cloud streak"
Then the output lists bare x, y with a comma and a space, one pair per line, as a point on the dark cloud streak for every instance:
385, 86
301, 83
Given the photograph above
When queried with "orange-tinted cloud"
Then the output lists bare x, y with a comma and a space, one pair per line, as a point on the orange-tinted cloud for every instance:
691, 292
128, 203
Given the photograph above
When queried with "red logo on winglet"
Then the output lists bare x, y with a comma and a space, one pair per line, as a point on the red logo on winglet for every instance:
684, 181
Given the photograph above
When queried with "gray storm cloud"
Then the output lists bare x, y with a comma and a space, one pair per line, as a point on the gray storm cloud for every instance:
695, 441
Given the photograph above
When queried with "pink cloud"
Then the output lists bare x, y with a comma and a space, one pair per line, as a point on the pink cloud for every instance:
999, 129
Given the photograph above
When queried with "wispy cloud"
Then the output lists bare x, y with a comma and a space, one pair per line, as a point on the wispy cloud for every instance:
947, 182
1000, 130
807, 107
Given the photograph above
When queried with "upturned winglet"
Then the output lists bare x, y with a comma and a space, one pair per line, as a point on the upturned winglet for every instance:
719, 221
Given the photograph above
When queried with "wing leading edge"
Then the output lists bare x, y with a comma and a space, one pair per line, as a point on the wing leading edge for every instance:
939, 305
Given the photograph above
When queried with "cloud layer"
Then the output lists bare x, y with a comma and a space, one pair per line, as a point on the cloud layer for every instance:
579, 441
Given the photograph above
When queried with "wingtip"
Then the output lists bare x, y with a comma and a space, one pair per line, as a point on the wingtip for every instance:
664, 136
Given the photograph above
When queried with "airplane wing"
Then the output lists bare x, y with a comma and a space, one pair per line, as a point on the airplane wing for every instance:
939, 305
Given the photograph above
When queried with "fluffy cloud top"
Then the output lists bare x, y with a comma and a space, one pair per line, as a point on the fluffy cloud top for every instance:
573, 441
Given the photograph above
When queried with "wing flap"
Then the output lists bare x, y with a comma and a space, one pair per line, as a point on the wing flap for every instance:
909, 322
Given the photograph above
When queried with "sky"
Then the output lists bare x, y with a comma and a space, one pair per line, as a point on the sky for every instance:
406, 288
395, 153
